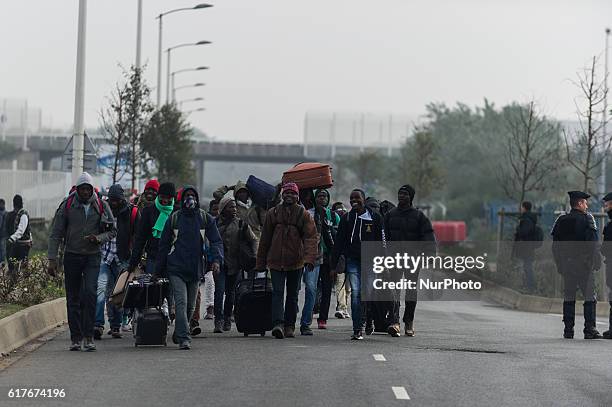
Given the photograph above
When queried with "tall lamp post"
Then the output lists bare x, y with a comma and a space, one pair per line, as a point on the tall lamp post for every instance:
169, 51
78, 133
189, 100
194, 111
199, 68
160, 43
195, 85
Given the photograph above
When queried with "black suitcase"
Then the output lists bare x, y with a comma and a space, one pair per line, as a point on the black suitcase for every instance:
151, 325
253, 308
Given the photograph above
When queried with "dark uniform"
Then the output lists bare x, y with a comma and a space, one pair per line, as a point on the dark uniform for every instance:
606, 250
576, 253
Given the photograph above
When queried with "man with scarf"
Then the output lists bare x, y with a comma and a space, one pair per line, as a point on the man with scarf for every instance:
405, 223
241, 195
180, 258
82, 222
606, 250
151, 224
115, 258
326, 222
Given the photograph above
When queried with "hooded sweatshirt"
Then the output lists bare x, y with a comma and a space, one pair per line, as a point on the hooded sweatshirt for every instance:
241, 207
125, 227
354, 229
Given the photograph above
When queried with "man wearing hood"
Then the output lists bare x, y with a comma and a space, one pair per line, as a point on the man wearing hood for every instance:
606, 250
241, 195
180, 258
115, 258
525, 251
83, 223
19, 239
327, 223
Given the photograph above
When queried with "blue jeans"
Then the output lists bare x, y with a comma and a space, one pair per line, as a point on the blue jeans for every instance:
106, 283
185, 294
310, 294
353, 273
285, 314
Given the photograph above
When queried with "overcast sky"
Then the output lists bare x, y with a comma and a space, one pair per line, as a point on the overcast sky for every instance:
274, 60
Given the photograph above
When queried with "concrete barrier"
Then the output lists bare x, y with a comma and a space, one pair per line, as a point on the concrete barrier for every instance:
18, 329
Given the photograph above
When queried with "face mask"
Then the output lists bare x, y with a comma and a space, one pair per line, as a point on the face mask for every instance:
190, 202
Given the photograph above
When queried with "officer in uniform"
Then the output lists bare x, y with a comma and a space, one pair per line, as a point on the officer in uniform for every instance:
576, 253
606, 250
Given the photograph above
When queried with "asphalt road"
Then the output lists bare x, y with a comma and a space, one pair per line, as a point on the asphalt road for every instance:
464, 354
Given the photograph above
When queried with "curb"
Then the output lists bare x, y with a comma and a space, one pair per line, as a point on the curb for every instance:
531, 303
18, 329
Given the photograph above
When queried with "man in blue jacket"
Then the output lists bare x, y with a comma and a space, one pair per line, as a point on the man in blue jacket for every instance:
180, 258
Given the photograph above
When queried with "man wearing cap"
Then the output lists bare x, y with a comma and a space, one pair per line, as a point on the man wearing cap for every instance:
576, 253
606, 250
287, 246
82, 222
147, 198
115, 258
241, 195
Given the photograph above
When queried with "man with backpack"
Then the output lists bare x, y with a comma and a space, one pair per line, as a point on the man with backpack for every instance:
529, 236
82, 222
115, 258
287, 246
241, 195
405, 223
236, 235
180, 257
19, 239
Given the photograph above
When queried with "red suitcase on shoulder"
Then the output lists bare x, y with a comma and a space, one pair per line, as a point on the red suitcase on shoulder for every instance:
309, 175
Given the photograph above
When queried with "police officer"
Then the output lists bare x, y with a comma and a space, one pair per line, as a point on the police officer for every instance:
606, 250
576, 255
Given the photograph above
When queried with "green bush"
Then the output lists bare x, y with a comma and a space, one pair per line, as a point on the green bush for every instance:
30, 284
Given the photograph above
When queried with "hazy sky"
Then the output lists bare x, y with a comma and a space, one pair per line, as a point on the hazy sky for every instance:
273, 60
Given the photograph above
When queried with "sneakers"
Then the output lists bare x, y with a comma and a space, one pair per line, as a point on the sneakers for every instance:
290, 332
116, 333
369, 328
185, 345
98, 332
409, 329
218, 326
89, 345
394, 330
346, 314
75, 346
278, 332
227, 325
126, 327
209, 312
306, 331
174, 338
607, 334
592, 334
568, 334
339, 315
357, 336
194, 328
322, 324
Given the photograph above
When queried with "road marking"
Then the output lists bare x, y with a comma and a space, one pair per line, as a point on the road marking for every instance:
400, 393
378, 357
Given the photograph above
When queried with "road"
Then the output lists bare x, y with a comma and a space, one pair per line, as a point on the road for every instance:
464, 354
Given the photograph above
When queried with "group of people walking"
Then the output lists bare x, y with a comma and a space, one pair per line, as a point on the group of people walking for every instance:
298, 238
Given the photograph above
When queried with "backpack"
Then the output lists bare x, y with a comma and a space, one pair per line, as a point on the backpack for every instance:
174, 225
246, 254
70, 201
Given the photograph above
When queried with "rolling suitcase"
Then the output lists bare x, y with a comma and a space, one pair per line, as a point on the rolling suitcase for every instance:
151, 325
253, 308
310, 175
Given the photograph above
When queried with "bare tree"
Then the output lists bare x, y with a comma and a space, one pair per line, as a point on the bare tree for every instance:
587, 146
114, 124
532, 148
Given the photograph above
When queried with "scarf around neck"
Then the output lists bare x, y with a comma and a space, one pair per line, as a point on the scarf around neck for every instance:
164, 212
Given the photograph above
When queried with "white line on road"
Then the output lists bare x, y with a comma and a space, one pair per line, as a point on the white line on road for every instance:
378, 357
400, 393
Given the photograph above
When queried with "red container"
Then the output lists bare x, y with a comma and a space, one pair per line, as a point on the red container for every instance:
449, 231
309, 175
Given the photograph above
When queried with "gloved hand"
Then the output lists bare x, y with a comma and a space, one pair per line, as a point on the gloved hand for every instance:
52, 268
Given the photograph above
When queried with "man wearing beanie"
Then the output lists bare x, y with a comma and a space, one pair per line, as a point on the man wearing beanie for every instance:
115, 258
82, 222
181, 254
405, 223
19, 239
147, 198
241, 196
151, 224
288, 245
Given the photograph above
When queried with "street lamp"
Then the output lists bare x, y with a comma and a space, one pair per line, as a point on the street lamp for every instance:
195, 85
199, 68
160, 43
189, 100
169, 51
195, 110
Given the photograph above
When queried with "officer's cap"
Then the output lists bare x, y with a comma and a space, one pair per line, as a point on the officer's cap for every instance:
578, 195
608, 197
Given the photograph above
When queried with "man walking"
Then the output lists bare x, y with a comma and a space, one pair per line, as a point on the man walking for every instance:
576, 255
82, 222
19, 239
524, 250
606, 250
287, 246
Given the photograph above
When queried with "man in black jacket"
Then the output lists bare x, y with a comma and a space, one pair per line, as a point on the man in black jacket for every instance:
526, 235
606, 250
408, 224
115, 258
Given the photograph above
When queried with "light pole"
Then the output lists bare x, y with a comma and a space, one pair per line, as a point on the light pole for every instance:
160, 44
194, 111
189, 100
78, 133
602, 185
139, 35
169, 51
199, 68
195, 85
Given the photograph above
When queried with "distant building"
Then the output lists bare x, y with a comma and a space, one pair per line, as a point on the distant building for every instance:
17, 117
